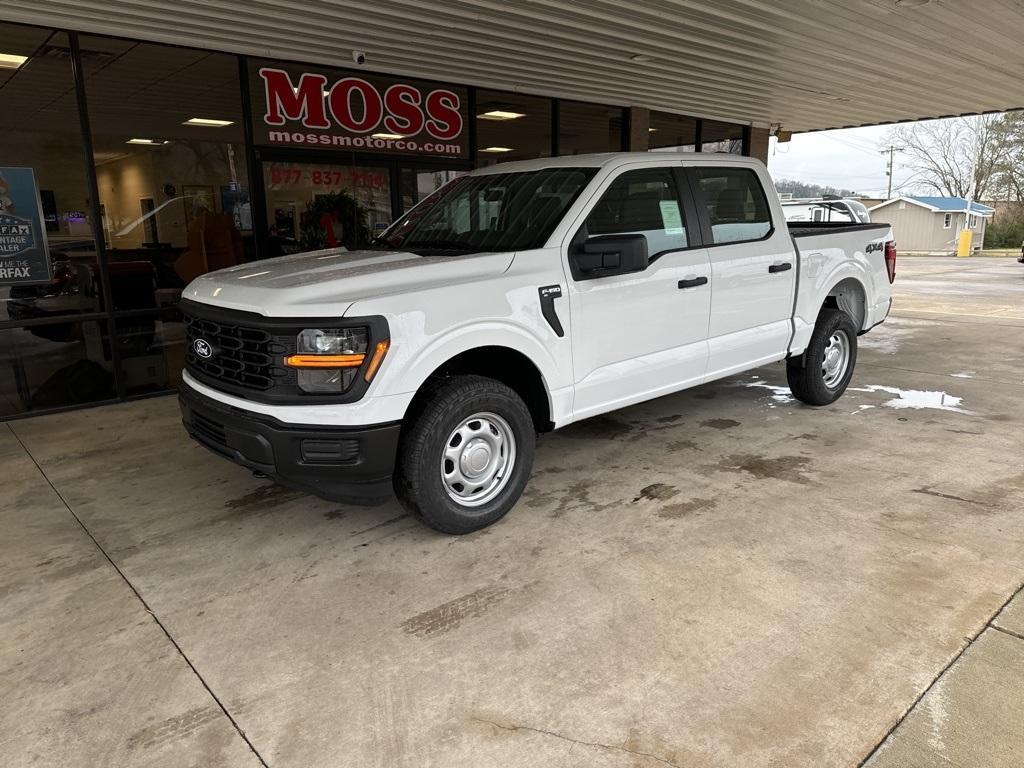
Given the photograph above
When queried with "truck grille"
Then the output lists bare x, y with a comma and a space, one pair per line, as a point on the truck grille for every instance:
242, 353
240, 356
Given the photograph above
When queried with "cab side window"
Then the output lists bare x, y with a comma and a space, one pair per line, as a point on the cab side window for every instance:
642, 202
736, 204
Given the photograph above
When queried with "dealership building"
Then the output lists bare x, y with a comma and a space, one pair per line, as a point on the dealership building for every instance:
145, 144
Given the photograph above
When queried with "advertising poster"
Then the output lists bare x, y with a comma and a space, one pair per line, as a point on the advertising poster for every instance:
24, 251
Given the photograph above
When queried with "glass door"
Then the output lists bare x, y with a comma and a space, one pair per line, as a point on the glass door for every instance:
325, 205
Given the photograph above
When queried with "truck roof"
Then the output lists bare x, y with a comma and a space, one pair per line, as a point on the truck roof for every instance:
613, 159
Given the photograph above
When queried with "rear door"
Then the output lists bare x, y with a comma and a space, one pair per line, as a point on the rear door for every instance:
753, 268
641, 333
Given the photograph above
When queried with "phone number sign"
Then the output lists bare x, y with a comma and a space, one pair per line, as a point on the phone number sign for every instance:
24, 251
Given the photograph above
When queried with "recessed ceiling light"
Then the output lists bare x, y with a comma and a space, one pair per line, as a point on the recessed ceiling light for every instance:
496, 149
208, 122
145, 141
386, 136
651, 130
500, 114
640, 57
11, 60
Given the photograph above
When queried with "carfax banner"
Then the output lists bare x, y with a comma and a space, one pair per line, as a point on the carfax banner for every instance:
24, 251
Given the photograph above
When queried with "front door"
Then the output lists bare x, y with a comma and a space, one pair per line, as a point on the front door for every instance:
640, 334
753, 270
325, 205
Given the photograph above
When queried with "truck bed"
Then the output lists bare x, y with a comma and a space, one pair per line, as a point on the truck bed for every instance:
811, 228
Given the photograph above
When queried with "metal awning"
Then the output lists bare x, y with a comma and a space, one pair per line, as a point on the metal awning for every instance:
804, 64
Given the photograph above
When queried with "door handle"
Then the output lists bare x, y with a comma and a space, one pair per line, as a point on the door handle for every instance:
693, 282
784, 266
548, 294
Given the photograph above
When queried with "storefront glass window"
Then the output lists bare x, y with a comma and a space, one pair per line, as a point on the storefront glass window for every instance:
511, 126
721, 137
585, 128
672, 132
48, 263
168, 145
321, 205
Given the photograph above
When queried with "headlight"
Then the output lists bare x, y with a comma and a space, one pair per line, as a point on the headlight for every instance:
327, 361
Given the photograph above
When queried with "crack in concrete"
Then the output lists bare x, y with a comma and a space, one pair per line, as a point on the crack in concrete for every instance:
1006, 631
891, 733
581, 742
928, 491
142, 601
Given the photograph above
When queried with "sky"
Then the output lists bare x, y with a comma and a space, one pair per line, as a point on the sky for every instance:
850, 158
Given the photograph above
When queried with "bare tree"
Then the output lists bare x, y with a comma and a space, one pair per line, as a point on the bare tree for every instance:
1009, 173
953, 157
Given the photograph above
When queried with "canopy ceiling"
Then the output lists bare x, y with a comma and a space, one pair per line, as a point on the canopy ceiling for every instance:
804, 64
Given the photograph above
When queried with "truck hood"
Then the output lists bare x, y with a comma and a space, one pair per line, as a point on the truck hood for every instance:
326, 283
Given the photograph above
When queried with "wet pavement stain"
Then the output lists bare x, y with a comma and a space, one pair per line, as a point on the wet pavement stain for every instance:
657, 492
448, 616
334, 514
720, 423
683, 445
264, 497
788, 468
686, 508
670, 419
599, 427
382, 524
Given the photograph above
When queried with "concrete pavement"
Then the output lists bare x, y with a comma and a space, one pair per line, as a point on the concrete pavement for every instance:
717, 578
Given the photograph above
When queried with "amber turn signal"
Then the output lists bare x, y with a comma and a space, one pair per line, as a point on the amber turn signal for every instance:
378, 356
324, 361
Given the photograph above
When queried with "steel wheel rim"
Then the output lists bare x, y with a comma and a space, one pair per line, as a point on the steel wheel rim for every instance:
836, 359
478, 459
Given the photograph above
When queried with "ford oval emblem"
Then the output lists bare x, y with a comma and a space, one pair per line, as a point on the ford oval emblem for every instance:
202, 348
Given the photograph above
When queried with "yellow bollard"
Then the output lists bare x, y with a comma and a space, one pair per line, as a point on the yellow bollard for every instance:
963, 245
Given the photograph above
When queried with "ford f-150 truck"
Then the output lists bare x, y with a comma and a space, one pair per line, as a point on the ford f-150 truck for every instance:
513, 301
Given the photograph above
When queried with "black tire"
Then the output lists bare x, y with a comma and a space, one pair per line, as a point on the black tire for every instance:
807, 379
437, 413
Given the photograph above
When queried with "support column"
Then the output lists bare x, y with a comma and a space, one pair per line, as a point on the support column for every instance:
639, 123
759, 144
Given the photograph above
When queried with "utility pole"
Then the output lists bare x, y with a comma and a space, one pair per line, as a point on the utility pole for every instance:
891, 150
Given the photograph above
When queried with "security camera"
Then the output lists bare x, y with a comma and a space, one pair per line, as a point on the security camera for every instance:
358, 57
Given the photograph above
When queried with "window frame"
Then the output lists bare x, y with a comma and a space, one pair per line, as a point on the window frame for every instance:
947, 221
701, 204
687, 209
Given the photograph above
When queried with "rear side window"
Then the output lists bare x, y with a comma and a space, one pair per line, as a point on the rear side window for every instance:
643, 202
736, 204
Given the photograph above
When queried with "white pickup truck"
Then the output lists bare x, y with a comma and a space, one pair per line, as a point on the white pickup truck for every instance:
513, 301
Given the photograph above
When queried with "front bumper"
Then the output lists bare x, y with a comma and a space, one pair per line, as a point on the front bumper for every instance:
347, 464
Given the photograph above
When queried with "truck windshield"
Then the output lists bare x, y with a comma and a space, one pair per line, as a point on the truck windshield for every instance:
490, 212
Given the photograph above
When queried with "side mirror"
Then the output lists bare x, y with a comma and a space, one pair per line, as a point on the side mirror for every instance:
611, 255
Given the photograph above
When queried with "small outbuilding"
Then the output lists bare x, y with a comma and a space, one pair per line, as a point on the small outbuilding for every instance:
932, 224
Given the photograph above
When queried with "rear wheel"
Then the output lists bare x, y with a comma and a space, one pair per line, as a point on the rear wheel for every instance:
822, 373
467, 456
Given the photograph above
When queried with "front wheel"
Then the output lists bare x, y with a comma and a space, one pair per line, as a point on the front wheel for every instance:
822, 373
467, 455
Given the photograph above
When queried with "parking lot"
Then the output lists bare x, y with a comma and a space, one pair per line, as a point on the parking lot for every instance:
721, 577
